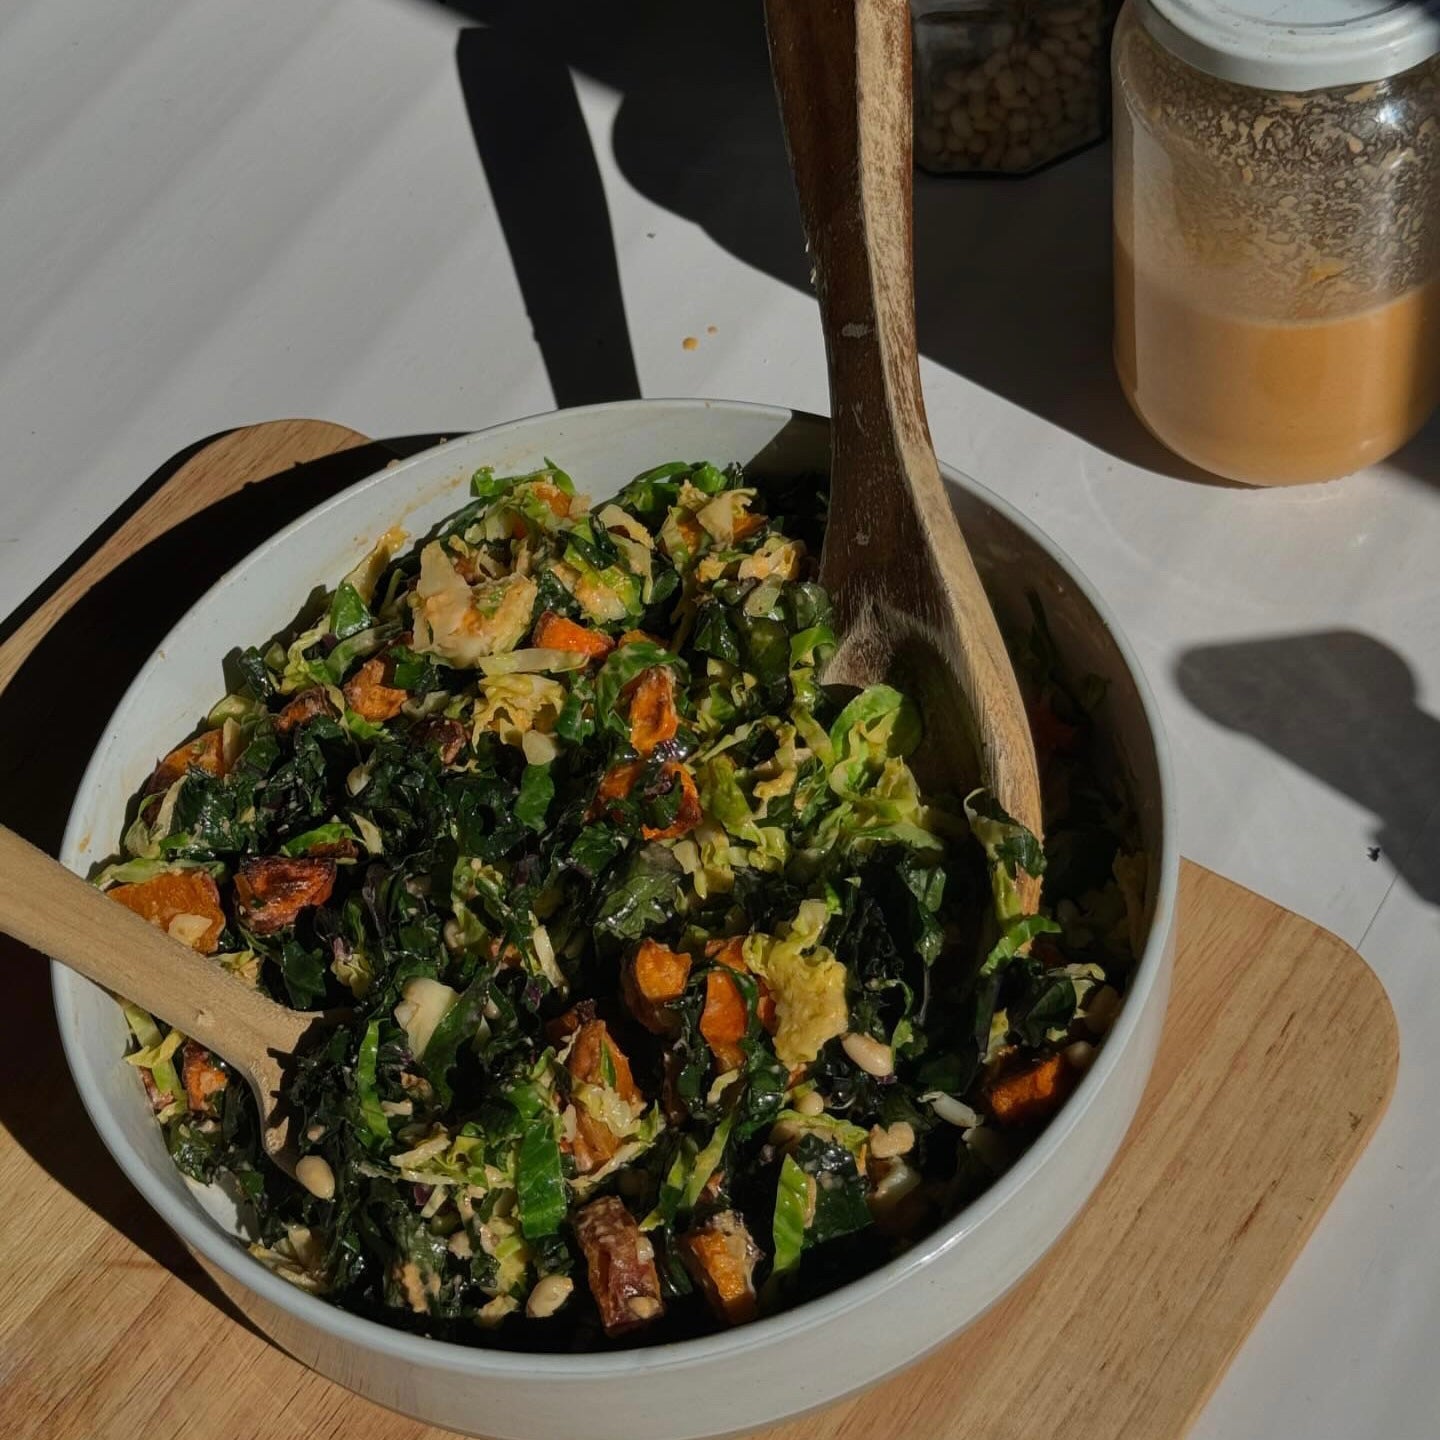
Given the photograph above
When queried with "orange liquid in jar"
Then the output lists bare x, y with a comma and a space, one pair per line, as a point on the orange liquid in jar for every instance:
1273, 402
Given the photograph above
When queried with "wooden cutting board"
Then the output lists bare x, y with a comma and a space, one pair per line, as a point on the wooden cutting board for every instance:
1278, 1059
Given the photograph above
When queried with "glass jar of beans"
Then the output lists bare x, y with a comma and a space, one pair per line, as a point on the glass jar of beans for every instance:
1009, 85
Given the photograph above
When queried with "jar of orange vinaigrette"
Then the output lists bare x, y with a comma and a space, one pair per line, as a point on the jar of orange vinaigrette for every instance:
1277, 229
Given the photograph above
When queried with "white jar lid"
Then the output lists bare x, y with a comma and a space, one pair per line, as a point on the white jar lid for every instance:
1296, 44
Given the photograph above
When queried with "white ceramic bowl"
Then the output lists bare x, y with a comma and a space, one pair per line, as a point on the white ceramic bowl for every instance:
760, 1373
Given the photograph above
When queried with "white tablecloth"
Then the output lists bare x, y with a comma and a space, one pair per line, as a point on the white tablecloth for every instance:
214, 213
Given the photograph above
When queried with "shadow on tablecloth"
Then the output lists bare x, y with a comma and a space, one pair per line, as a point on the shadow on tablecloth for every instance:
1013, 279
1344, 708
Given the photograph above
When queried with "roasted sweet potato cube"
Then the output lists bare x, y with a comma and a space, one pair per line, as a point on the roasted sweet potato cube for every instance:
308, 705
688, 816
731, 953
721, 1256
653, 716
554, 632
660, 973
205, 752
723, 1021
202, 1076
367, 694
619, 781
1029, 1095
593, 1054
272, 890
185, 904
594, 1143
654, 977
616, 784
620, 1263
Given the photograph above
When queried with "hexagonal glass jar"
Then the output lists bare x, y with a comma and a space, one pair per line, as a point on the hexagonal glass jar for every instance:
1008, 86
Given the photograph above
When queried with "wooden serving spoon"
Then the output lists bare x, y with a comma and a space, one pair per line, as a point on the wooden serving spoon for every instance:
906, 593
57, 913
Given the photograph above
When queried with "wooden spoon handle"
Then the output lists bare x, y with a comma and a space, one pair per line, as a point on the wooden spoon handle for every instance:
842, 74
57, 913
894, 552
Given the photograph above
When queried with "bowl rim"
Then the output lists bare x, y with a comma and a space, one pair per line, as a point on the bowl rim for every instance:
223, 1251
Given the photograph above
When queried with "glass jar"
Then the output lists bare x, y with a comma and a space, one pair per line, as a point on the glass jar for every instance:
1277, 230
1008, 85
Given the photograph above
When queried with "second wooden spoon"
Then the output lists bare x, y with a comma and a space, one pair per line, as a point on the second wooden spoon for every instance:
908, 598
57, 913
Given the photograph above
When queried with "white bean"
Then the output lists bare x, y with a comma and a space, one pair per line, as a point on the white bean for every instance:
888, 1143
549, 1294
315, 1174
952, 1111
870, 1055
893, 1186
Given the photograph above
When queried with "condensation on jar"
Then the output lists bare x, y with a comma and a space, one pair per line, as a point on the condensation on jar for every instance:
1277, 232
